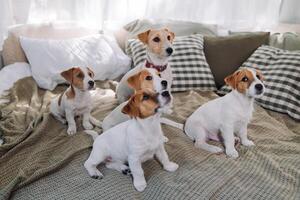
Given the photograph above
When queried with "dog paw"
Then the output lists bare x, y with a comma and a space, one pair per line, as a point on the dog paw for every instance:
165, 139
87, 126
71, 130
248, 143
216, 149
232, 153
96, 174
171, 167
126, 171
140, 185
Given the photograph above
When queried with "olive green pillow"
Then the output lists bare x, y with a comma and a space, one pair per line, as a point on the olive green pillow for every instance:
226, 54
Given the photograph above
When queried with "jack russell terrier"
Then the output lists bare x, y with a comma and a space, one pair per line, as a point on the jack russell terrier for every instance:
145, 79
134, 141
228, 114
158, 49
76, 100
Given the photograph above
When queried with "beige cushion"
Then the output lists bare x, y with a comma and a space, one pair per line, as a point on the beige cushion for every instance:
12, 51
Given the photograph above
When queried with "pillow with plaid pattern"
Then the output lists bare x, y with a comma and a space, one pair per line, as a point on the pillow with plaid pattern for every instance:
189, 67
281, 69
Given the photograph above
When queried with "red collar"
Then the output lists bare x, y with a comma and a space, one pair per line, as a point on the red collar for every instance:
159, 68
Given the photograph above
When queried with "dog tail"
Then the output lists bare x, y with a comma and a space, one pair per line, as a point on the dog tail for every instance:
92, 133
171, 123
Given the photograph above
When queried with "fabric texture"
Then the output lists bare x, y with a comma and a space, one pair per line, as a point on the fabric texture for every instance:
226, 54
48, 58
40, 161
281, 69
189, 67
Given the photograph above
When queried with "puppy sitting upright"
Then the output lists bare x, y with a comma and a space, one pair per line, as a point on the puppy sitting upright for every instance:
76, 100
158, 51
228, 114
134, 141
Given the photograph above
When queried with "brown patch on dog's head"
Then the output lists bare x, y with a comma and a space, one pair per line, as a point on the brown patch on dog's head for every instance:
74, 76
157, 40
141, 80
240, 80
142, 104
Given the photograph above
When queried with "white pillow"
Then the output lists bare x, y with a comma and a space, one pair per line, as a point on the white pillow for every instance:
48, 58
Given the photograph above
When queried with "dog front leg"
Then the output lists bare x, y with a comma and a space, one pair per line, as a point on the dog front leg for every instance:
137, 172
243, 135
163, 158
86, 121
228, 136
71, 123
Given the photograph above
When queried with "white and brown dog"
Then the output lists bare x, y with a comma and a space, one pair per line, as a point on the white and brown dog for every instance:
158, 49
76, 100
227, 115
145, 79
134, 141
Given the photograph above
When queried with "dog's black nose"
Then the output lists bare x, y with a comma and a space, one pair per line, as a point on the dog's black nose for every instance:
165, 94
164, 83
169, 50
91, 83
259, 87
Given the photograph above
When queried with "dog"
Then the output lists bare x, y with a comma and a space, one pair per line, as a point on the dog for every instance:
228, 115
158, 49
147, 78
134, 141
76, 100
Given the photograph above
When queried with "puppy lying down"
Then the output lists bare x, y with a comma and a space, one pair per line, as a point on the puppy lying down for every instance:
134, 141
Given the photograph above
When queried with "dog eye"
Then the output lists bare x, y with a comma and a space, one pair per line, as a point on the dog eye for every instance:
257, 76
159, 75
146, 97
148, 78
90, 74
245, 79
169, 37
156, 39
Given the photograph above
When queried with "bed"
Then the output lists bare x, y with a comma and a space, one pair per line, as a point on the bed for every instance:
40, 161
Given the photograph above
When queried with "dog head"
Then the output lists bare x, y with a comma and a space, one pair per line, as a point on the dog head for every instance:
159, 42
147, 79
80, 78
247, 81
142, 104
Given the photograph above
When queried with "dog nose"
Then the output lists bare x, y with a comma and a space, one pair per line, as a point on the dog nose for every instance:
169, 50
91, 83
165, 94
164, 83
259, 87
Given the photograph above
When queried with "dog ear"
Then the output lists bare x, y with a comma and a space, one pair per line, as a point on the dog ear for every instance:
143, 37
231, 80
91, 71
68, 75
171, 33
134, 81
130, 109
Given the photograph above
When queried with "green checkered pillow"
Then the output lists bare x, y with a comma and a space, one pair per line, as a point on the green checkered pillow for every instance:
189, 67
